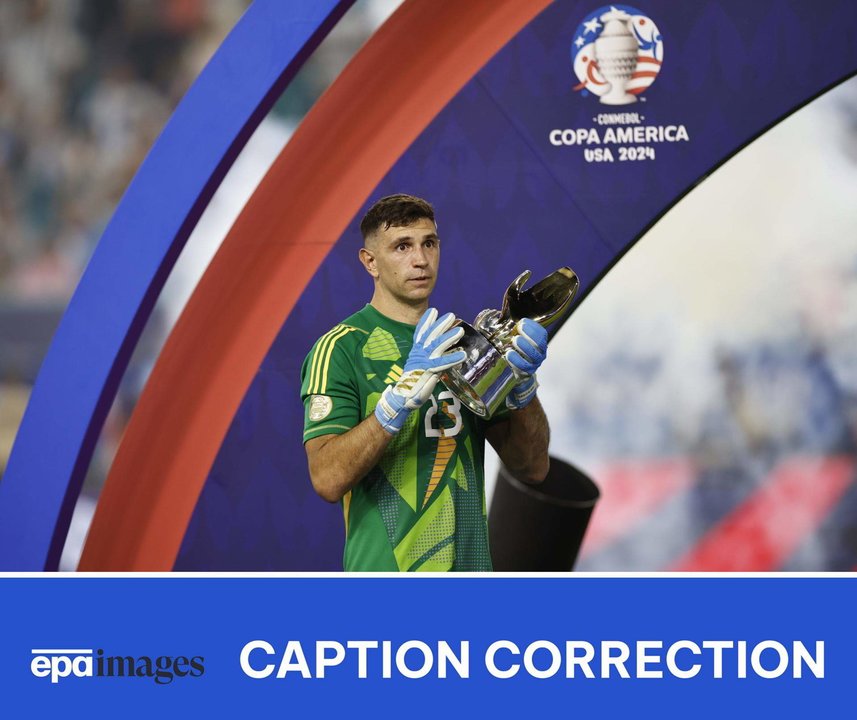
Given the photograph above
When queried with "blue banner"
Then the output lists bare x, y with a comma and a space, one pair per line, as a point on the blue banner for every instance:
426, 647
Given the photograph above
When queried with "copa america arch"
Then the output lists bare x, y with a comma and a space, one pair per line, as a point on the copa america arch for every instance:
353, 135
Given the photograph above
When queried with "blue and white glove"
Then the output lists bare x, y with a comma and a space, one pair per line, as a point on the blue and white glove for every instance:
530, 348
428, 358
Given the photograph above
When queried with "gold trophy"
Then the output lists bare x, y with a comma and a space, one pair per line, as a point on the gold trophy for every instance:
484, 379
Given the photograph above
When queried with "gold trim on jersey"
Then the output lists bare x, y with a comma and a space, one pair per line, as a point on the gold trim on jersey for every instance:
329, 426
346, 506
316, 356
321, 359
445, 450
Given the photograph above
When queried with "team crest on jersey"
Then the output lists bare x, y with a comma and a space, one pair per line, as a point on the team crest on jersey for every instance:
616, 53
320, 407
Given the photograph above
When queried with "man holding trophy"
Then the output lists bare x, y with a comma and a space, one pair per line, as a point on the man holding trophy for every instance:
399, 400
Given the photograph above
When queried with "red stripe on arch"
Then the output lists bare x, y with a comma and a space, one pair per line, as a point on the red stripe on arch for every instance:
761, 533
341, 151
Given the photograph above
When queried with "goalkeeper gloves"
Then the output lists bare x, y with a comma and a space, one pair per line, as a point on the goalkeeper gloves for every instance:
428, 357
530, 348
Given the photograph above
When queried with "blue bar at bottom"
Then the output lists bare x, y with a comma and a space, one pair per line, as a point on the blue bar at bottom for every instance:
426, 647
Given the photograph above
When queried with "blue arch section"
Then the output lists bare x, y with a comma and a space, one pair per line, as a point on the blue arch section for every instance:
79, 377
508, 199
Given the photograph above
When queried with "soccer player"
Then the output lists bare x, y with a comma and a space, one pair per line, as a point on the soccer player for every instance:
385, 437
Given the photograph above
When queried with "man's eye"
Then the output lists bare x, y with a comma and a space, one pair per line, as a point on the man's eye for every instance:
402, 247
429, 243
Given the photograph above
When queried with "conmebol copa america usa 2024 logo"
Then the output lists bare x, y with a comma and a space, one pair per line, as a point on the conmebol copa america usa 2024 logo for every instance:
617, 52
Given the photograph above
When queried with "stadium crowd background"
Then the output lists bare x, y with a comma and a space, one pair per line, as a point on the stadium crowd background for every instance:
714, 392
85, 89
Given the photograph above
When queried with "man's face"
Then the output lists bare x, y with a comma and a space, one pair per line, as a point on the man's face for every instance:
405, 260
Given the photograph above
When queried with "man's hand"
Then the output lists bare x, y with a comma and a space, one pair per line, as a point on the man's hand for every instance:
428, 358
522, 440
530, 349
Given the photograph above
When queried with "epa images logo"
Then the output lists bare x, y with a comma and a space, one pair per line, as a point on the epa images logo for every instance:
62, 663
617, 53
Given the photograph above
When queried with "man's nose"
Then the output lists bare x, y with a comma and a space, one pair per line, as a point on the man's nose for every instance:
420, 257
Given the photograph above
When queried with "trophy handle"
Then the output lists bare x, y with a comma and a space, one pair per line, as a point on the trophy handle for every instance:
547, 300
514, 291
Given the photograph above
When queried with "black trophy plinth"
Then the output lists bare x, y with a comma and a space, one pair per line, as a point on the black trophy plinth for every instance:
539, 528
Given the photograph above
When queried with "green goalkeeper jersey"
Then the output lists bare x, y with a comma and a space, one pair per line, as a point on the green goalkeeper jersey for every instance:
422, 507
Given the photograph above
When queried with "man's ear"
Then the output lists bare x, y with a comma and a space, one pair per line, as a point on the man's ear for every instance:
367, 258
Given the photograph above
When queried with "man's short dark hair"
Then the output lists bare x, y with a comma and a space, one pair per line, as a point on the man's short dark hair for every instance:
395, 211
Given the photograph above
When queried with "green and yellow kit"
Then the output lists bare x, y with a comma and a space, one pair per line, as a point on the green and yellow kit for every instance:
423, 506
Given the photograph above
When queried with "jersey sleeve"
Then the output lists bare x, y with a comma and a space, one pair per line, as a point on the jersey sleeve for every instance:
329, 385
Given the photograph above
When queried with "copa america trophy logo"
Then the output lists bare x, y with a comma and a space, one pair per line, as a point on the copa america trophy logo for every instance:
485, 378
616, 53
